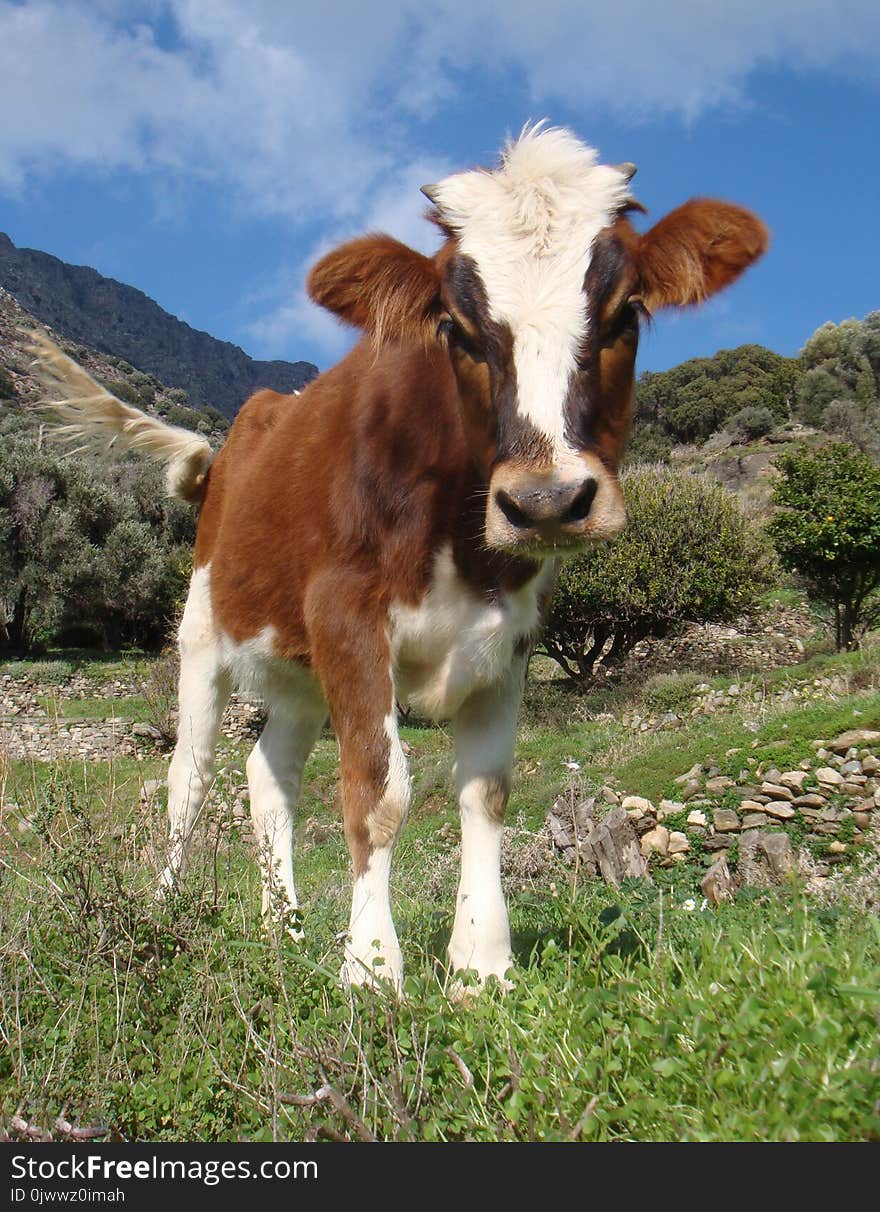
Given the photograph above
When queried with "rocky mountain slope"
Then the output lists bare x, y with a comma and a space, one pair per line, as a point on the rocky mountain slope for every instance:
119, 320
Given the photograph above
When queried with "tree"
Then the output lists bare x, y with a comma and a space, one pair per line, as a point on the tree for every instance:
687, 554
828, 531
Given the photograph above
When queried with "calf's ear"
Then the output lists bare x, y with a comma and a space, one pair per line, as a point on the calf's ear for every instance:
696, 250
380, 286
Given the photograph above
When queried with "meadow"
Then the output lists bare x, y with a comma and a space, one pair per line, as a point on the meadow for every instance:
637, 1013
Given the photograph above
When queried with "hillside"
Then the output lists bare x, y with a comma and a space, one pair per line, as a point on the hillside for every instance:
115, 319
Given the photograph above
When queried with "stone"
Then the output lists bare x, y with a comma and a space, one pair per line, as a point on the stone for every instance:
851, 767
695, 771
811, 800
717, 785
837, 848
828, 777
150, 789
610, 796
691, 789
849, 788
725, 820
793, 779
862, 820
777, 792
858, 736
669, 808
782, 812
752, 805
657, 840
631, 803
754, 820
870, 764
147, 730
678, 844
779, 853
717, 883
696, 817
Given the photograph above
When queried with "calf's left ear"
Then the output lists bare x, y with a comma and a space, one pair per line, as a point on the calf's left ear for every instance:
381, 286
696, 250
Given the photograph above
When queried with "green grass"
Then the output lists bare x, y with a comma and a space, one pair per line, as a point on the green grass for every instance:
631, 1018
131, 708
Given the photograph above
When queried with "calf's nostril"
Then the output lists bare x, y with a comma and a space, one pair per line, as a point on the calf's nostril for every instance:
582, 503
515, 516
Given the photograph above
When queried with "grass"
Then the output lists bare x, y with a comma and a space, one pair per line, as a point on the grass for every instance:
632, 1017
131, 708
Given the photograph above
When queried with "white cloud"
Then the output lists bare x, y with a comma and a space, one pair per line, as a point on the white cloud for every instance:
314, 113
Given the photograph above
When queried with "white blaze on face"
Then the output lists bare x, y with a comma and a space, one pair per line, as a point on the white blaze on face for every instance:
529, 227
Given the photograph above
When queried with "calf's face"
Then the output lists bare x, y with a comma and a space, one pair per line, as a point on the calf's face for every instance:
537, 295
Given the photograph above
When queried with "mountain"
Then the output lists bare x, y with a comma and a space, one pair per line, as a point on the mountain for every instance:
119, 320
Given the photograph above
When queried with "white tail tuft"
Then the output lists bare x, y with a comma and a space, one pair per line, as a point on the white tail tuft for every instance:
91, 417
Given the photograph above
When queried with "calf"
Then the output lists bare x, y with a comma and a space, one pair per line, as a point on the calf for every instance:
390, 535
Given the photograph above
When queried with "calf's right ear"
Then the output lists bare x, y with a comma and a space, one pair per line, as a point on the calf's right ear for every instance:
381, 286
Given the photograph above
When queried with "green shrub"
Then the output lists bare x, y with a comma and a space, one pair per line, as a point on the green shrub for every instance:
750, 423
828, 531
687, 554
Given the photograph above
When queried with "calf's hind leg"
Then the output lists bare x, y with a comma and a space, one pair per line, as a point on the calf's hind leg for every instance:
274, 771
204, 689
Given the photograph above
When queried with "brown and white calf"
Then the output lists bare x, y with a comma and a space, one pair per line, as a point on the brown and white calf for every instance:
390, 535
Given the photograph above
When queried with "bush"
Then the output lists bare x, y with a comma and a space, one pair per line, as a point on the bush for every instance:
750, 423
687, 554
828, 531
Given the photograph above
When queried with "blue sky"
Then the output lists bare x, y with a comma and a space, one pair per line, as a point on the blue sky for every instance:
206, 151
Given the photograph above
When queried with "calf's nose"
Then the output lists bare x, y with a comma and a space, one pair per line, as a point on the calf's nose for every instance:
547, 508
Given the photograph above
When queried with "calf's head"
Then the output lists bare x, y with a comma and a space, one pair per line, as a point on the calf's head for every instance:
537, 295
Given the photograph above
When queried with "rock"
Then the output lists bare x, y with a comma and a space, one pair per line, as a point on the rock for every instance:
669, 808
725, 820
716, 841
696, 817
678, 843
695, 771
853, 766
632, 803
777, 792
150, 789
142, 729
752, 805
862, 820
858, 736
811, 800
717, 883
610, 796
870, 764
754, 820
837, 848
717, 785
828, 777
691, 789
782, 812
780, 856
657, 840
794, 780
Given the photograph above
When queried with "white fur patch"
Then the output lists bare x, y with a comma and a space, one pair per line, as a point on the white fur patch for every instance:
372, 949
455, 642
530, 226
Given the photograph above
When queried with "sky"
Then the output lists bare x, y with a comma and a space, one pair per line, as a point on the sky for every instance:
208, 151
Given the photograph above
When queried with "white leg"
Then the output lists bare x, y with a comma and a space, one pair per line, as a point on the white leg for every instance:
485, 729
203, 693
274, 772
372, 949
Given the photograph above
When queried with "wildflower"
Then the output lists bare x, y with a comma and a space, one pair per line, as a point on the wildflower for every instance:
572, 765
690, 904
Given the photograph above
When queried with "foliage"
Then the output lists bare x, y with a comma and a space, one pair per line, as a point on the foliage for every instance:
687, 554
750, 423
828, 531
693, 400
89, 552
